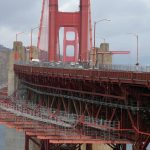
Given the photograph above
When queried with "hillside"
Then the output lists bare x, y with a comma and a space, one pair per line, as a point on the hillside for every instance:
4, 59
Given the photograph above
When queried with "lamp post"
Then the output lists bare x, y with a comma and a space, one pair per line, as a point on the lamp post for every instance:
95, 23
104, 39
16, 56
17, 35
32, 29
30, 53
137, 48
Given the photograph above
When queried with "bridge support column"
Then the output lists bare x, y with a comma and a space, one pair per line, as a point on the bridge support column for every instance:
120, 146
124, 147
141, 143
89, 147
26, 142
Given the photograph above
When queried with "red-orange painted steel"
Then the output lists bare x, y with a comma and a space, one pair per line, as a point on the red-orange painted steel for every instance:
79, 20
141, 78
53, 135
41, 23
88, 142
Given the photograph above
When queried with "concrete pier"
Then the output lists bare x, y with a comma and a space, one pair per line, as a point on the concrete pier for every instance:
14, 140
103, 55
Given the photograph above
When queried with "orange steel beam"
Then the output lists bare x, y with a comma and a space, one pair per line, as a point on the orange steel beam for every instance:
65, 137
88, 142
35, 130
120, 52
38, 127
49, 132
114, 52
41, 24
82, 92
134, 126
113, 114
90, 75
42, 131
26, 123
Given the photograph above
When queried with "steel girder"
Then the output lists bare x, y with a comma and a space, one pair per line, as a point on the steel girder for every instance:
111, 96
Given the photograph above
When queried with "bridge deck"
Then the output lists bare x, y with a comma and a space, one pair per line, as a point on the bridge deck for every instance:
102, 75
79, 105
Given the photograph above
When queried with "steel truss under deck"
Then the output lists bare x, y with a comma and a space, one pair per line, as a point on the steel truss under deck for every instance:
59, 108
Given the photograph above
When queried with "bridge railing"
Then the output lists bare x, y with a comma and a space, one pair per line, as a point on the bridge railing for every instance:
116, 73
83, 66
125, 68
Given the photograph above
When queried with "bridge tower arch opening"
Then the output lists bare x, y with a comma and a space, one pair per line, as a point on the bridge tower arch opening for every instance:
79, 20
70, 45
68, 6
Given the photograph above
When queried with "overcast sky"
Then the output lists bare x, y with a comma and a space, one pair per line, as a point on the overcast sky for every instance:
126, 16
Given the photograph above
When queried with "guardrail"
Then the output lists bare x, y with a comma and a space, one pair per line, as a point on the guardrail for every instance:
105, 73
87, 66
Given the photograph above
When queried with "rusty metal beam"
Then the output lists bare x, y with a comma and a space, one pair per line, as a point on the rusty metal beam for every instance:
87, 142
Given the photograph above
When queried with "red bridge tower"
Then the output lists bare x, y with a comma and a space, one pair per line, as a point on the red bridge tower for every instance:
79, 20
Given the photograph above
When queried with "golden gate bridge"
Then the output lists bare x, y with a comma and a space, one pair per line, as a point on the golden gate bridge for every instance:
63, 106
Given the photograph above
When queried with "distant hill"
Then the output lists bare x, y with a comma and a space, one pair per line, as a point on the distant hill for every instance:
4, 59
3, 48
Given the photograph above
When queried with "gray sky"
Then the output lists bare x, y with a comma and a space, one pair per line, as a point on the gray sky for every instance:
126, 16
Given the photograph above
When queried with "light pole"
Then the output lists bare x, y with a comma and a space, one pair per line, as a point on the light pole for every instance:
95, 23
16, 47
31, 41
137, 48
17, 35
104, 39
30, 53
32, 29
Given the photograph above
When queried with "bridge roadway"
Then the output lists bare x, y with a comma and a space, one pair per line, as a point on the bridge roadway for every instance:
75, 105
